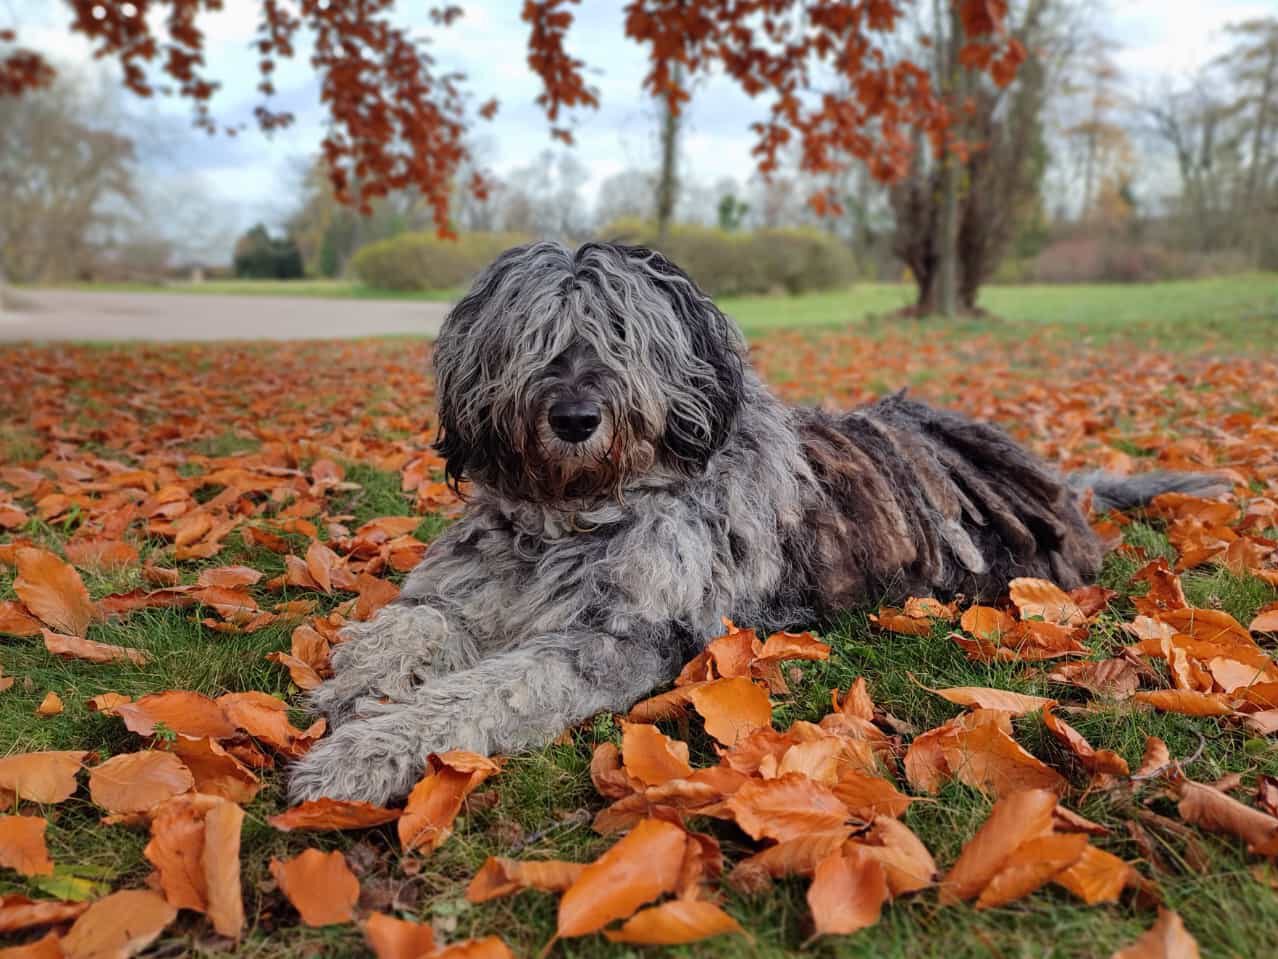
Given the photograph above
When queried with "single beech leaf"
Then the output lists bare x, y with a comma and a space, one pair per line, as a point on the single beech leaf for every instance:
265, 718
732, 708
786, 808
989, 759
1209, 808
907, 864
221, 864
793, 857
44, 777
136, 782
1166, 939
392, 938
119, 925
500, 877
320, 886
22, 845
51, 705
1096, 877
1018, 704
674, 923
53, 591
1040, 599
847, 892
318, 815
435, 801
182, 711
73, 647
985, 622
47, 947
1187, 701
652, 757
643, 865
17, 912
1093, 760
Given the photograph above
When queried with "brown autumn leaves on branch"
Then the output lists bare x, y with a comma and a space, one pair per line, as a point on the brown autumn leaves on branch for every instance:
399, 119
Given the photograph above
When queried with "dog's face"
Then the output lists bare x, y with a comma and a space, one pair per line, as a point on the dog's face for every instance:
564, 378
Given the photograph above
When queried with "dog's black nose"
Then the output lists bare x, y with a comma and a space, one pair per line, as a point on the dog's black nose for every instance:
574, 421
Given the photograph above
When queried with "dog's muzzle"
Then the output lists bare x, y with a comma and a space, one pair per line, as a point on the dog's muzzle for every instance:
574, 421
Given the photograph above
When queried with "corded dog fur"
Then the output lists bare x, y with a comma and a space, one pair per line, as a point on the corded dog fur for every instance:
632, 483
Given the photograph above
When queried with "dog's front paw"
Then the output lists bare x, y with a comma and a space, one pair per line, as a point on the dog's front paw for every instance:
356, 762
383, 659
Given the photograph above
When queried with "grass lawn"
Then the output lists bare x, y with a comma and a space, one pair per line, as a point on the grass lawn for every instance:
321, 288
1053, 369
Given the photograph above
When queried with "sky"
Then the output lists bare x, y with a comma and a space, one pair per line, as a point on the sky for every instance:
253, 177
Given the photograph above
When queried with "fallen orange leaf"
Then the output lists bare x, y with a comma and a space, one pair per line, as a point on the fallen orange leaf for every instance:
392, 938
652, 757
53, 591
73, 647
320, 886
907, 864
1018, 704
847, 893
51, 705
1166, 939
435, 801
180, 711
500, 877
1031, 866
22, 845
1213, 810
1014, 820
674, 923
326, 814
119, 925
44, 777
786, 808
17, 912
987, 758
266, 718
643, 865
1038, 598
136, 782
1093, 760
732, 708
47, 947
1096, 877
1187, 701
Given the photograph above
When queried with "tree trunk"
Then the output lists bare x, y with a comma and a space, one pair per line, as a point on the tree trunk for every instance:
667, 182
950, 178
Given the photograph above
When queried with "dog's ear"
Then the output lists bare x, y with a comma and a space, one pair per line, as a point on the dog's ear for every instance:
465, 438
698, 426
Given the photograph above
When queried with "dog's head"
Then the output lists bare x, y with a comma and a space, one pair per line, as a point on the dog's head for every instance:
563, 378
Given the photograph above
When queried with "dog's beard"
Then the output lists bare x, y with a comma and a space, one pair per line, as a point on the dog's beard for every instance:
574, 474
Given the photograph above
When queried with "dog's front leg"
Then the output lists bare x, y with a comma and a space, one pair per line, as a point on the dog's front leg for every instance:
521, 698
406, 644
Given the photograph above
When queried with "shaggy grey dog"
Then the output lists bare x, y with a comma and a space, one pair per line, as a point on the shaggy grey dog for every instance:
634, 482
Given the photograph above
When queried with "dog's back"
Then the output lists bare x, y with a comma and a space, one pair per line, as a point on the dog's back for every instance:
920, 501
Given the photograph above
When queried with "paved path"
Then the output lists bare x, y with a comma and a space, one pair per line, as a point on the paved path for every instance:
76, 315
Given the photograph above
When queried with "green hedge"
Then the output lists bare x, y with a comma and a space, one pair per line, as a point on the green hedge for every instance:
763, 261
422, 261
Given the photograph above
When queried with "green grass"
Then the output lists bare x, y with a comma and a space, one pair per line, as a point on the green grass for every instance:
1232, 311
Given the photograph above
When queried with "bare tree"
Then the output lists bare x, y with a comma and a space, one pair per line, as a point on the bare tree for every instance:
67, 180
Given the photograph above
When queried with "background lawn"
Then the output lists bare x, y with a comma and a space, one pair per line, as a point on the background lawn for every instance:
1080, 373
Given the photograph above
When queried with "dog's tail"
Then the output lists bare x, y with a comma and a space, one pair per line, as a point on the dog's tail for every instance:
1111, 491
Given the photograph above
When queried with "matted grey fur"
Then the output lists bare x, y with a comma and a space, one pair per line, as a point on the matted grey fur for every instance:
634, 482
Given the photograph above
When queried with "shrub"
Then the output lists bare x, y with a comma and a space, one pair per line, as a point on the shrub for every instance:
423, 261
1099, 260
258, 256
729, 263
